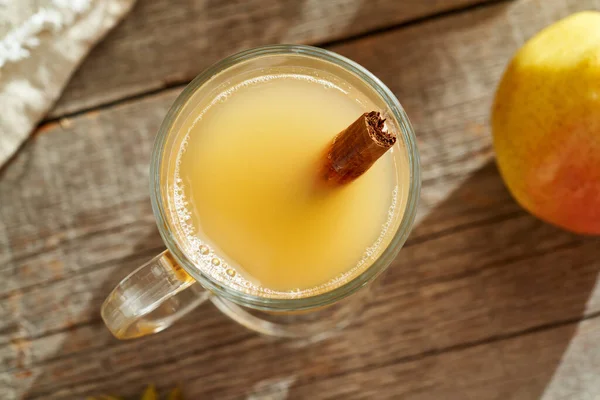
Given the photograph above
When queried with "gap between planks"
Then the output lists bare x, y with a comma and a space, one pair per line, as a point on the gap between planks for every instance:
180, 84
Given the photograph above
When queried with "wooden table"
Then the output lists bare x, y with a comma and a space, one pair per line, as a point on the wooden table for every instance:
484, 302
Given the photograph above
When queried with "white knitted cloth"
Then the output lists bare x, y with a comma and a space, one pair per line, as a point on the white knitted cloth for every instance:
41, 44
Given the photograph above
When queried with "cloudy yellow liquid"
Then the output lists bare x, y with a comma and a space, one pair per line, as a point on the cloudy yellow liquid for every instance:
249, 189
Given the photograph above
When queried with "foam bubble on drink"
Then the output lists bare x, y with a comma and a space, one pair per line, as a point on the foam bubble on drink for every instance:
212, 264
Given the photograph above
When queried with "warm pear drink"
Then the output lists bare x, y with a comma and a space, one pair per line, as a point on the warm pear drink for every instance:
251, 203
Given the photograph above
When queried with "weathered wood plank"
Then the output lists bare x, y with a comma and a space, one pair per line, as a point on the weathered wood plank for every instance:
411, 321
165, 41
559, 363
476, 269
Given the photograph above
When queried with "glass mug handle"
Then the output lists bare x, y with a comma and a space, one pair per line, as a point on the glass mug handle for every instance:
151, 298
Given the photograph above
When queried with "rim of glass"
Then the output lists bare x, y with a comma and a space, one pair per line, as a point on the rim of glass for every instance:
323, 299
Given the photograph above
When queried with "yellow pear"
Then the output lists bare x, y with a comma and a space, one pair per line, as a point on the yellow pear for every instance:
546, 124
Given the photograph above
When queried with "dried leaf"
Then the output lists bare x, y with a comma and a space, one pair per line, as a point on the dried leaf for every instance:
150, 393
175, 394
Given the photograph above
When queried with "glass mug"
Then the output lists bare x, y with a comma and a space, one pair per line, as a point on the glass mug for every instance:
169, 286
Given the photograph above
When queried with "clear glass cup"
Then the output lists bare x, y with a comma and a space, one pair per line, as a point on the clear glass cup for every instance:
169, 286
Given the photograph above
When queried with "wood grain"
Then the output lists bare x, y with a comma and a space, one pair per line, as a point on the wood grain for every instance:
482, 301
516, 368
164, 42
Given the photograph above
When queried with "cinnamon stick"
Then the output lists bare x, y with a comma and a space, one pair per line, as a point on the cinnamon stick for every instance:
355, 149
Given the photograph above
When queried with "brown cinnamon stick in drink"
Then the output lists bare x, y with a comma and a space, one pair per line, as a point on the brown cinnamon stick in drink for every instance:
355, 149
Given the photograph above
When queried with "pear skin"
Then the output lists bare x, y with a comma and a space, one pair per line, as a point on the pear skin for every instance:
546, 124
